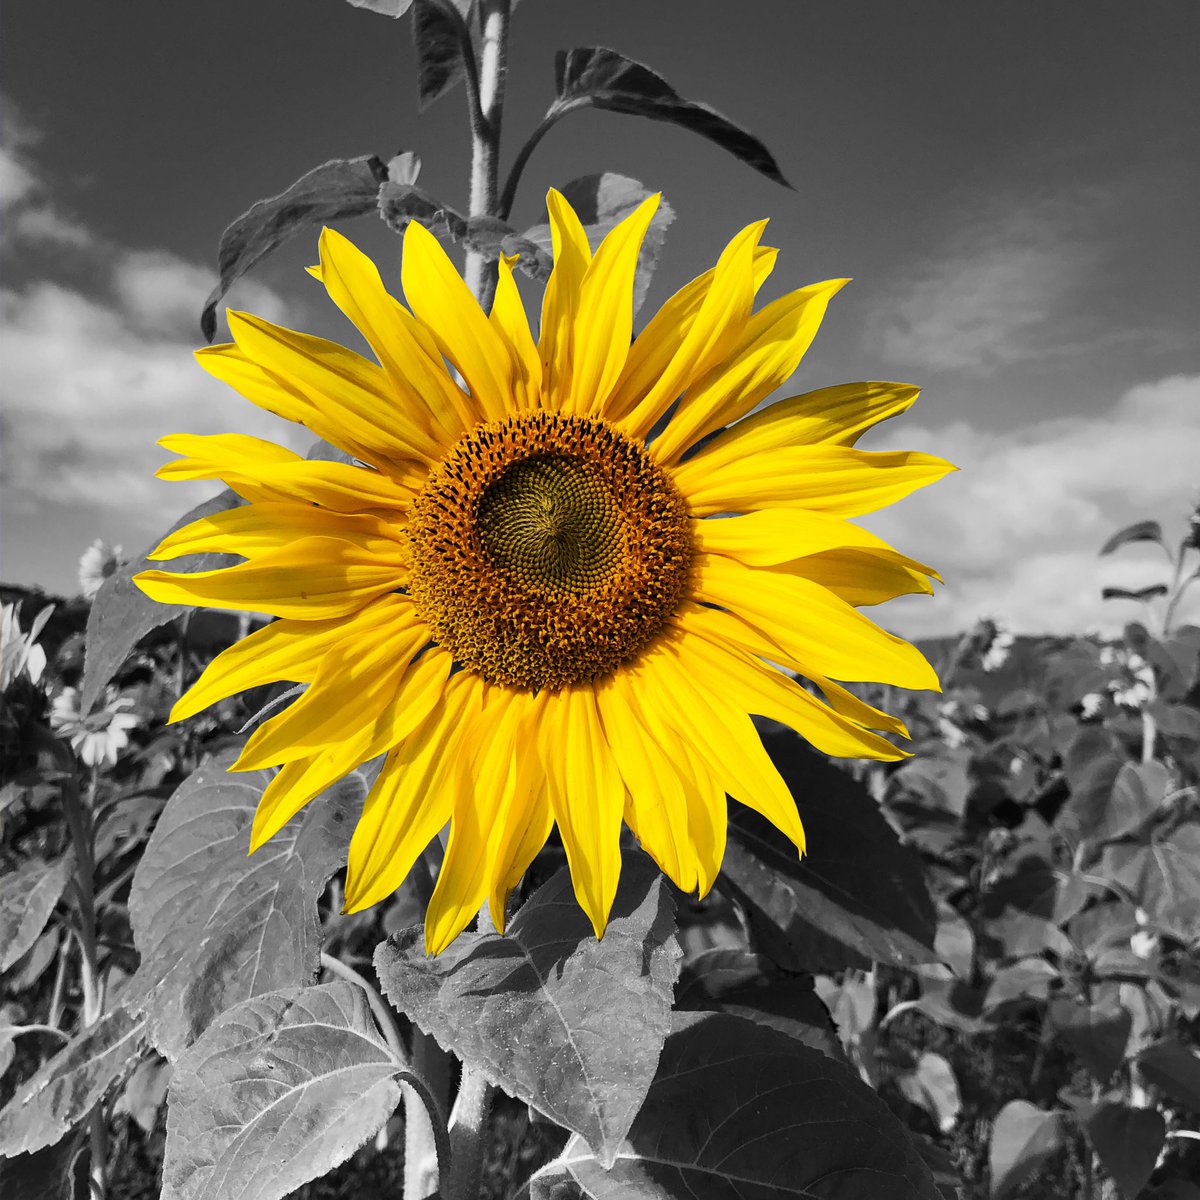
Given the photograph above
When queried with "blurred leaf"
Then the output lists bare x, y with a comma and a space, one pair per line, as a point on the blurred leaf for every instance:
1097, 1033
386, 8
936, 780
144, 1092
1174, 1189
1138, 794
1023, 1138
27, 898
214, 926
858, 894
948, 1002
1022, 910
1141, 531
1179, 721
63, 1091
32, 967
278, 1090
1091, 764
1171, 1066
601, 202
121, 615
1128, 1142
569, 1024
602, 78
955, 942
931, 1085
1183, 646
438, 40
737, 1109
342, 187
749, 985
1163, 875
52, 1173
1141, 594
1029, 979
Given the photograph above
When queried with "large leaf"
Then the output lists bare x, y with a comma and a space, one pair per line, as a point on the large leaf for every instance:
342, 187
601, 78
121, 615
569, 1024
737, 1109
1171, 1066
932, 1085
278, 1090
1128, 1142
1023, 1138
65, 1089
27, 898
214, 926
857, 894
601, 202
1163, 875
52, 1173
1097, 1033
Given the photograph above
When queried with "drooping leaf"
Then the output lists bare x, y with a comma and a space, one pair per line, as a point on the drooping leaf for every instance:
52, 1173
569, 1024
1164, 876
438, 37
1140, 531
750, 985
1140, 594
1128, 1142
738, 1109
121, 615
342, 187
28, 970
1097, 1033
27, 898
214, 926
1026, 979
62, 1092
1091, 765
1023, 1138
278, 1090
386, 8
601, 78
857, 895
1170, 1065
145, 1092
932, 1085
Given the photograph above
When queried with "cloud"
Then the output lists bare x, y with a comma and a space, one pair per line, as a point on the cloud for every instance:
1017, 531
998, 291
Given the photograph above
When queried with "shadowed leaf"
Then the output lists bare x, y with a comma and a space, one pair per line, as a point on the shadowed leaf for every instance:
1023, 1138
737, 1109
1140, 531
342, 187
931, 1085
386, 8
27, 898
857, 895
1097, 1033
1163, 875
63, 1091
438, 39
121, 615
1171, 1066
601, 78
214, 926
278, 1090
569, 1024
1128, 1142
52, 1173
1141, 594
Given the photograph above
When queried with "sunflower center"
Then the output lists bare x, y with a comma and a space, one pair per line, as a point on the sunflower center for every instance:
548, 550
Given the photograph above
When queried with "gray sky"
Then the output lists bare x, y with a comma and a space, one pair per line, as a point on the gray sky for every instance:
1015, 189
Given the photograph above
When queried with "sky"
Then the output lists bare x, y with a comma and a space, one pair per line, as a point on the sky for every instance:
1015, 190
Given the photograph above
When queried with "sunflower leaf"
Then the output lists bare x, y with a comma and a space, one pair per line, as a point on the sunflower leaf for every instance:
342, 187
27, 898
1128, 1142
47, 1174
858, 895
121, 615
1023, 1138
738, 1109
601, 78
278, 1090
215, 926
438, 37
1141, 531
571, 1025
65, 1089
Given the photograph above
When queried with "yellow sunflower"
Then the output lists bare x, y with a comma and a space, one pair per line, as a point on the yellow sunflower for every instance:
541, 611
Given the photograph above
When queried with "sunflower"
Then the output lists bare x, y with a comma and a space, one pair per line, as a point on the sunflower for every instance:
552, 593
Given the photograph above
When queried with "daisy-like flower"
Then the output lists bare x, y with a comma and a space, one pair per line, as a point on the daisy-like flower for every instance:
96, 564
101, 735
539, 614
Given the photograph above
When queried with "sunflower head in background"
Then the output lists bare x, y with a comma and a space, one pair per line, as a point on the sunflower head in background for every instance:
539, 613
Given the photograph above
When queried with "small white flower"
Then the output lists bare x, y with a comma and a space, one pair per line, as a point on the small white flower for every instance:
100, 736
1144, 943
1090, 705
96, 564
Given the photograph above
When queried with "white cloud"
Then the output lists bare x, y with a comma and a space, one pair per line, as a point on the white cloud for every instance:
1018, 530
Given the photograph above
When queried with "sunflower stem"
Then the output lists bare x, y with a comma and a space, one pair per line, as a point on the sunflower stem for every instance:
485, 139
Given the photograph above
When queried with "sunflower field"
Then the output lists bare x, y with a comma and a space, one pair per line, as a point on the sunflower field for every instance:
511, 798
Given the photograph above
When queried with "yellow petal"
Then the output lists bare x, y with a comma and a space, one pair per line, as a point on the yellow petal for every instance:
712, 335
604, 319
443, 303
314, 578
523, 833
510, 322
832, 479
560, 301
769, 351
866, 577
777, 535
587, 796
812, 625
